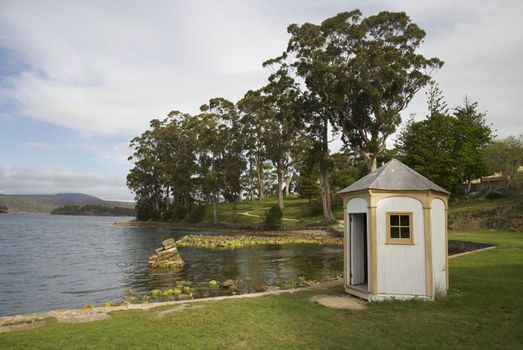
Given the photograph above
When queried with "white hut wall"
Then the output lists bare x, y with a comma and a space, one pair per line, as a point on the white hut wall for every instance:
401, 267
439, 246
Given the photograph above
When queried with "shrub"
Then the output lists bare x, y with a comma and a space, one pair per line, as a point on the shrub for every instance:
315, 207
145, 212
166, 215
336, 201
196, 214
179, 213
495, 195
273, 217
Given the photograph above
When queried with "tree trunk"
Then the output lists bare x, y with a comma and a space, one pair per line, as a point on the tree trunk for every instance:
372, 164
469, 186
251, 182
508, 180
167, 200
288, 180
235, 211
215, 209
328, 217
261, 181
280, 187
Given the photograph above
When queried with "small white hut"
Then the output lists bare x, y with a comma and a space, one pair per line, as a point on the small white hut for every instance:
395, 235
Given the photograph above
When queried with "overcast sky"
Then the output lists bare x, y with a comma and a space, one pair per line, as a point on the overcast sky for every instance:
79, 79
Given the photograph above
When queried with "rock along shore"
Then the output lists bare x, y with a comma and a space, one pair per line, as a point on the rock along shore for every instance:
167, 256
238, 241
29, 321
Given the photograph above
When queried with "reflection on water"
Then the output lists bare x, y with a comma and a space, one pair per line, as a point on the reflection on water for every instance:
51, 262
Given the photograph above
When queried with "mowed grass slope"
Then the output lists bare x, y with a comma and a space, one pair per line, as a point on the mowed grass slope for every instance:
484, 310
297, 210
295, 213
503, 213
513, 203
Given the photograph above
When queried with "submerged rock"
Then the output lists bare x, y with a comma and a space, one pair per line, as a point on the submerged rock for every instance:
229, 284
261, 287
167, 256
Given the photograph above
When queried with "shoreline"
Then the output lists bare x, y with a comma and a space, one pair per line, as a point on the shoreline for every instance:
259, 230
21, 322
88, 313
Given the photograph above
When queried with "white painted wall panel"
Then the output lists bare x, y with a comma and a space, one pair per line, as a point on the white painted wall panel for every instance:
357, 205
438, 246
401, 268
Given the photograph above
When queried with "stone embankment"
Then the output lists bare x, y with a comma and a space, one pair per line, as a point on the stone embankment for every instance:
167, 256
238, 241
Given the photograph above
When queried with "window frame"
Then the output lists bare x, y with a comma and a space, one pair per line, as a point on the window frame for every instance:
407, 241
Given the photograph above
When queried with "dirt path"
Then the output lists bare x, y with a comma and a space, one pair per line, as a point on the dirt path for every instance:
249, 213
342, 301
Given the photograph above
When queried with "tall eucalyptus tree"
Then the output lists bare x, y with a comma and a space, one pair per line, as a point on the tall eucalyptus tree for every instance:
282, 126
227, 147
253, 120
362, 71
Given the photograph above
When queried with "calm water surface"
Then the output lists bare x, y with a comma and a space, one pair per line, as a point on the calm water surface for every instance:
56, 262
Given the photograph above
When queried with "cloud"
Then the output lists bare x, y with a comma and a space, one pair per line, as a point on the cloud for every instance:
26, 180
40, 145
481, 47
107, 67
128, 68
115, 153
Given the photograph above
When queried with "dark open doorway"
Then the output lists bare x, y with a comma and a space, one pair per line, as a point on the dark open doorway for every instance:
358, 250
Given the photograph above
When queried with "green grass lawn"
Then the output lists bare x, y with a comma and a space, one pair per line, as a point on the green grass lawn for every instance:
295, 209
484, 310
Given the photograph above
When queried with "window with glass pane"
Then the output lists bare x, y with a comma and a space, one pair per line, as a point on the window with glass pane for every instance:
399, 227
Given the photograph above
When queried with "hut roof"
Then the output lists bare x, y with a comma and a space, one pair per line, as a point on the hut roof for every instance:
394, 176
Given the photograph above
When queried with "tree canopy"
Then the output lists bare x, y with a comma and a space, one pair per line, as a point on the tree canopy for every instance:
362, 72
506, 156
446, 148
349, 75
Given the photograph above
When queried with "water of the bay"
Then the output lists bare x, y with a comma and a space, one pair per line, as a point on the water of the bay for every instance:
60, 262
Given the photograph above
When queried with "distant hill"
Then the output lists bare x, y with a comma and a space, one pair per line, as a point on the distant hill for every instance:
93, 210
45, 203
63, 197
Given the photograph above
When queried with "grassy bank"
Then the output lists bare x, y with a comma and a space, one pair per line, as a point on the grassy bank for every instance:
505, 213
501, 213
295, 213
484, 310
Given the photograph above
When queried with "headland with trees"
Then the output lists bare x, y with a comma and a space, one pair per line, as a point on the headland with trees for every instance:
350, 77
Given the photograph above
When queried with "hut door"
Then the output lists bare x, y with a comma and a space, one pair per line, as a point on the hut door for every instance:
358, 245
